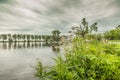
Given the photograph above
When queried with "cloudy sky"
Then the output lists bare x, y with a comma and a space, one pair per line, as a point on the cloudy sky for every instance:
43, 16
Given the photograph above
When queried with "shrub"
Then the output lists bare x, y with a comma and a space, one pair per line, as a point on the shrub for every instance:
86, 61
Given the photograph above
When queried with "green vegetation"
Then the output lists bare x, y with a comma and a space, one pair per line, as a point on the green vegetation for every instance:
118, 45
30, 37
114, 40
113, 34
85, 62
56, 35
84, 28
89, 58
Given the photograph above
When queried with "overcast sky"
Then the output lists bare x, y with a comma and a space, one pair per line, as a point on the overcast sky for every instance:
43, 16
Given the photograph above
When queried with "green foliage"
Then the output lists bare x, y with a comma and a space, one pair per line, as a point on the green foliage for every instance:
110, 48
42, 71
99, 37
91, 60
113, 34
3, 37
56, 35
84, 28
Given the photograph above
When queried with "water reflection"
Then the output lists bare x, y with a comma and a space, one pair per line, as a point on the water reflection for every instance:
56, 47
17, 59
20, 45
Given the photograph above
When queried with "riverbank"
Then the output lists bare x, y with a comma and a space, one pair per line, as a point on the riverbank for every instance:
20, 41
86, 60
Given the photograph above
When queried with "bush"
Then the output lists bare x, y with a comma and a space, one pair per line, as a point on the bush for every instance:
86, 61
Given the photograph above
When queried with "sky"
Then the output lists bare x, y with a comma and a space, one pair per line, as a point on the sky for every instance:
44, 16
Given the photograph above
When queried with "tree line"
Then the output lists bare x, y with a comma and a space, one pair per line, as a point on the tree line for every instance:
23, 37
84, 30
113, 34
54, 36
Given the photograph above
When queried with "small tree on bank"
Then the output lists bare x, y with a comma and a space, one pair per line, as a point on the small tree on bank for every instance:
84, 28
56, 35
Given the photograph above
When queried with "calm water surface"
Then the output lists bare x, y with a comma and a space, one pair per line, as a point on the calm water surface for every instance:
18, 59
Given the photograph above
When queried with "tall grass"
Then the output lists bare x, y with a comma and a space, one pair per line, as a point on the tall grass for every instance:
88, 60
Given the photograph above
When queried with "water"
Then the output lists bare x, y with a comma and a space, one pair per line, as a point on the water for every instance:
18, 59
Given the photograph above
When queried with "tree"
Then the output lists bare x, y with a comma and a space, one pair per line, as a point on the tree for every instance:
32, 37
19, 37
23, 37
84, 28
28, 38
113, 34
9, 37
14, 36
56, 35
4, 37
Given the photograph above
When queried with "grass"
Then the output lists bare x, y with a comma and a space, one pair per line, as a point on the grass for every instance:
118, 45
114, 40
118, 49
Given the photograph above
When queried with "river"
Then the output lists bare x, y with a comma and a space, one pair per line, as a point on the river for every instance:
18, 59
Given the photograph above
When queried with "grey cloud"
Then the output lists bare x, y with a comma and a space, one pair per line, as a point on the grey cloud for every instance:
9, 2
116, 2
23, 29
4, 1
41, 16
